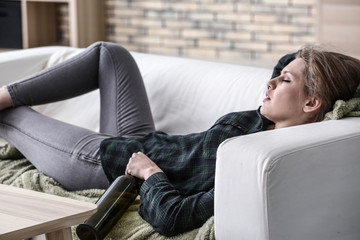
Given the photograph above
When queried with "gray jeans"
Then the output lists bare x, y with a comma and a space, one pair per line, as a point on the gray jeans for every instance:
68, 153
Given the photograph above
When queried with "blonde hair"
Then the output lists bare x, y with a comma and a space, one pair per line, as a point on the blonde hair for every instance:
330, 76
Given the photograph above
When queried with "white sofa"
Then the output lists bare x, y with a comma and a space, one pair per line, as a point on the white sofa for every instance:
295, 183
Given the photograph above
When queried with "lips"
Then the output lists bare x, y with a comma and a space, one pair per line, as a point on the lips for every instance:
267, 98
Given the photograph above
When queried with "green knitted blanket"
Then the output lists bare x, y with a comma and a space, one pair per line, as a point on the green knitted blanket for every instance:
342, 109
350, 108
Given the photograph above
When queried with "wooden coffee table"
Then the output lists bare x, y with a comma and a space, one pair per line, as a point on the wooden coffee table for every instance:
25, 213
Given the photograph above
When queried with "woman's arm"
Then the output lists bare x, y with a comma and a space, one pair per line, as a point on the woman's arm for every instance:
170, 213
162, 205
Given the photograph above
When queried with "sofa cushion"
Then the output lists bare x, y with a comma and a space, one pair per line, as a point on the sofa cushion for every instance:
189, 95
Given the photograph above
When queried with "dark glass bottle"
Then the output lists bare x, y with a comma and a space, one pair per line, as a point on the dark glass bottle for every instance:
111, 206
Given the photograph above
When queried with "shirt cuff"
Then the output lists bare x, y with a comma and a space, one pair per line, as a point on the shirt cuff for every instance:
152, 180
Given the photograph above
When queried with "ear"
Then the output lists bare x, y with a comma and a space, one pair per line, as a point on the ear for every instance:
312, 104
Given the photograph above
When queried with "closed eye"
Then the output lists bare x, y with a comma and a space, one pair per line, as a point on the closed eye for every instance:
286, 80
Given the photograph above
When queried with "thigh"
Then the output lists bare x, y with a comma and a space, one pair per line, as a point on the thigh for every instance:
67, 153
125, 109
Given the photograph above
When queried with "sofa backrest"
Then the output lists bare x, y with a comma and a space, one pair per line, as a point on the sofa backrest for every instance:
185, 95
189, 95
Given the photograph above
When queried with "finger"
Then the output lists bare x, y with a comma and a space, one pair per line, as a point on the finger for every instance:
127, 170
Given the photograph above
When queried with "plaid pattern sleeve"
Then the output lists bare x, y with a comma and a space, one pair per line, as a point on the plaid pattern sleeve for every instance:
181, 198
169, 212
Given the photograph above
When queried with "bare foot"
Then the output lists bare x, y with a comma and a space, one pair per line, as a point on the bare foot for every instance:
5, 99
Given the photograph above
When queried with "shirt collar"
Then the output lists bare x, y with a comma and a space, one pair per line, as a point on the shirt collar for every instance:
264, 122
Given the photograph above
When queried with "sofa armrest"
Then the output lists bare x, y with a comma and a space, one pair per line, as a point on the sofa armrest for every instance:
293, 183
17, 64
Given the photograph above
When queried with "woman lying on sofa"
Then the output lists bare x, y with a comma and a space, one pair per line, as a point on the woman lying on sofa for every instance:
177, 193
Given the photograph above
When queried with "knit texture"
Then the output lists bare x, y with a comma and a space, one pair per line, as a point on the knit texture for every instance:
341, 109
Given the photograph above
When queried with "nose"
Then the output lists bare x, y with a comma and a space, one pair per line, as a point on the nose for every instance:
271, 84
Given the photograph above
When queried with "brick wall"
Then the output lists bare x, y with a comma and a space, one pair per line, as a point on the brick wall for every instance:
236, 31
63, 24
225, 30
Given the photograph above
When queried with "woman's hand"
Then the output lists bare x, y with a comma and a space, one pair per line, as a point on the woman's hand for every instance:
141, 166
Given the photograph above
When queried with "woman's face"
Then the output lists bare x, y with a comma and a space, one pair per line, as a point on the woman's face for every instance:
285, 98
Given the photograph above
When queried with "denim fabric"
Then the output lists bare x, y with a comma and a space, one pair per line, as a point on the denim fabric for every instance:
68, 153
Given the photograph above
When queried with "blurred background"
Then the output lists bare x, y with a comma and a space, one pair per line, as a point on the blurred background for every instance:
251, 32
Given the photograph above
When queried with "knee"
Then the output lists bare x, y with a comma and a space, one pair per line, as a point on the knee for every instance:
116, 51
110, 46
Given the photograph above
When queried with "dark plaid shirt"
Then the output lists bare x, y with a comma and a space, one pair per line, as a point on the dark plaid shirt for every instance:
181, 198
